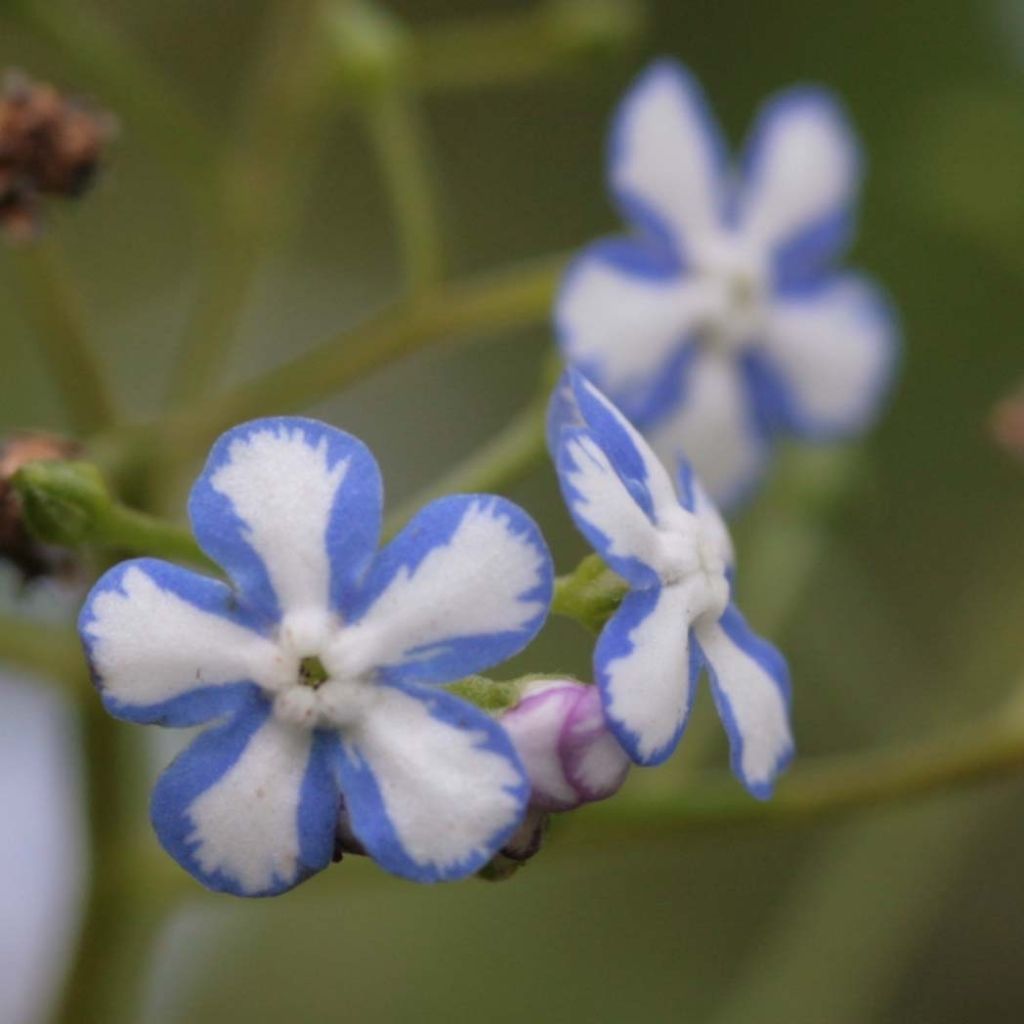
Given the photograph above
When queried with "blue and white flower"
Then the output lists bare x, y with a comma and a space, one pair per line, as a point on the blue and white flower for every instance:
674, 551
719, 323
318, 671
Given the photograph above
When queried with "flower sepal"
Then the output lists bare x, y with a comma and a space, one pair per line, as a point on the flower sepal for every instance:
590, 594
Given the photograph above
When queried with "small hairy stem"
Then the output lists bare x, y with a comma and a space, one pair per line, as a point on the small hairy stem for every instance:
50, 651
498, 463
257, 195
512, 298
52, 308
131, 84
989, 749
399, 139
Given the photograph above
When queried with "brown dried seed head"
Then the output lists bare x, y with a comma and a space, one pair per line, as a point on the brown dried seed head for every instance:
17, 546
50, 144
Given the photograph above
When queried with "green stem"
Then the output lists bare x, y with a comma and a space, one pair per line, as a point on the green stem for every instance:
138, 533
148, 105
50, 651
493, 467
258, 196
501, 49
589, 594
52, 307
398, 137
988, 749
512, 298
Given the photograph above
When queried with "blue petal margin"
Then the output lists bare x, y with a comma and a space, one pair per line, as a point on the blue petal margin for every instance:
813, 248
633, 208
201, 703
432, 530
773, 664
368, 812
614, 644
353, 529
205, 762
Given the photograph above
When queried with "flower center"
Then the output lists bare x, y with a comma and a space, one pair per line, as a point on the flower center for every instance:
691, 558
324, 677
733, 275
312, 672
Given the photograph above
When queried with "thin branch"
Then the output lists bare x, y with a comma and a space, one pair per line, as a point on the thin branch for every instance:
990, 749
455, 312
498, 463
399, 139
52, 308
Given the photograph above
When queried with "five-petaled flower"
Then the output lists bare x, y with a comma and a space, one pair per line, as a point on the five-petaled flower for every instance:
675, 553
719, 324
318, 669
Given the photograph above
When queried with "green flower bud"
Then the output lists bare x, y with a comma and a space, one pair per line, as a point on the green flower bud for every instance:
63, 502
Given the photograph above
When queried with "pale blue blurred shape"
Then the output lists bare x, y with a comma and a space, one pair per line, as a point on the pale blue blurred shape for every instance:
41, 848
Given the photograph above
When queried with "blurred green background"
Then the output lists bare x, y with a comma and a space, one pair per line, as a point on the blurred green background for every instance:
913, 617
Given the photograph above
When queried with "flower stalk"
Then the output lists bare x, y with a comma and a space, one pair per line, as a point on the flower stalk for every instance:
52, 308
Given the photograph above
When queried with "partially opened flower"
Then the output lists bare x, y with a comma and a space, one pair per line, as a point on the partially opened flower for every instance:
719, 323
679, 617
570, 756
319, 669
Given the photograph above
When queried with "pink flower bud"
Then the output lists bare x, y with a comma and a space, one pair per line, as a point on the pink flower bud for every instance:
570, 756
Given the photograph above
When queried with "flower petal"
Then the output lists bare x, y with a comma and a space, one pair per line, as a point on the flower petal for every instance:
291, 509
535, 727
668, 163
250, 807
624, 316
563, 412
750, 683
646, 669
464, 586
593, 759
694, 498
630, 454
606, 510
803, 170
168, 647
432, 784
834, 352
717, 428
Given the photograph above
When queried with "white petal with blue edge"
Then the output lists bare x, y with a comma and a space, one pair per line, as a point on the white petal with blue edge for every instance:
432, 785
803, 169
750, 683
714, 427
464, 586
645, 672
247, 808
163, 647
605, 510
667, 159
291, 509
834, 350
625, 323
